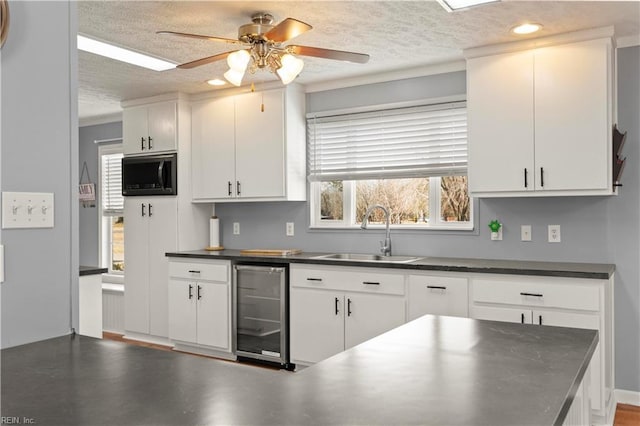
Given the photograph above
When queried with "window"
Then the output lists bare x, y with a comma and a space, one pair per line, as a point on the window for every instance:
412, 160
111, 208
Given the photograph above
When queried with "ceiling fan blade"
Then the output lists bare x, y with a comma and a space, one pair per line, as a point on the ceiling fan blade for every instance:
339, 55
204, 61
202, 37
286, 30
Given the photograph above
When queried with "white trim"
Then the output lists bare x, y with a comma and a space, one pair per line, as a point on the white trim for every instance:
627, 397
514, 46
405, 104
175, 96
628, 41
98, 141
100, 119
401, 74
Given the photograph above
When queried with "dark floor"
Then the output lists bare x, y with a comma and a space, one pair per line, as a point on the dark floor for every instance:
84, 381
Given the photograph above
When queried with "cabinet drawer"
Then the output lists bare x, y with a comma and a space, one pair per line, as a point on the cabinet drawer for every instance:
367, 280
200, 271
437, 296
551, 293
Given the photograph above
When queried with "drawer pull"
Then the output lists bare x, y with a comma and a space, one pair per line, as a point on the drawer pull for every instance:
521, 318
540, 319
315, 279
531, 294
370, 283
194, 272
337, 310
437, 287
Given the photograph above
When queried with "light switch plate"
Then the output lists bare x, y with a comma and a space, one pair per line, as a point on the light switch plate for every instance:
27, 210
236, 228
525, 233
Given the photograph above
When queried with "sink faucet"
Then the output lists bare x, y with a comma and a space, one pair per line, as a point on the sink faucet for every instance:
385, 248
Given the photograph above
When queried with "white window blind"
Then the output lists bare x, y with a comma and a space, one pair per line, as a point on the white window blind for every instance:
418, 141
111, 185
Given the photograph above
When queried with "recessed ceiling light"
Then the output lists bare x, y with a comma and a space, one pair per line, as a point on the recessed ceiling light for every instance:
216, 82
451, 5
527, 28
121, 54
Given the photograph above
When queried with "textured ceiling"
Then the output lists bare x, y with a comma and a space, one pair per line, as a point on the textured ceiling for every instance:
397, 34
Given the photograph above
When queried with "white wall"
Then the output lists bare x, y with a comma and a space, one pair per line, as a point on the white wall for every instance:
39, 153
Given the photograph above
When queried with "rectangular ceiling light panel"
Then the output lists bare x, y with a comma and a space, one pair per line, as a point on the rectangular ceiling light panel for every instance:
451, 5
121, 54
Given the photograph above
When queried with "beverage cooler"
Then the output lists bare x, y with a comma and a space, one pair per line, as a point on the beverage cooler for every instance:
261, 327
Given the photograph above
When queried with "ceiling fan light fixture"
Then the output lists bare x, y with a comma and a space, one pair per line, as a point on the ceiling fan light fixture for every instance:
526, 28
234, 77
238, 60
291, 67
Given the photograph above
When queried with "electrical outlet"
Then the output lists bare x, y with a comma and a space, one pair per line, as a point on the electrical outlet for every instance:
554, 233
290, 229
236, 228
497, 236
525, 232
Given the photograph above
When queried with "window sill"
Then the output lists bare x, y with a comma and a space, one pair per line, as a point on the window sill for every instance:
113, 278
435, 229
113, 288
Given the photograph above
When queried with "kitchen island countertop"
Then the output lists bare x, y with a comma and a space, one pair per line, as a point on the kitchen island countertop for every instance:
489, 266
431, 371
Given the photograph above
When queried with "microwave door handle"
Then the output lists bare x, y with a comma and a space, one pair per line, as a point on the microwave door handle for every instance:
161, 174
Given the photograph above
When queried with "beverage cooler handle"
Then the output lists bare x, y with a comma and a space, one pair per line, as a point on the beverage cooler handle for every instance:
161, 174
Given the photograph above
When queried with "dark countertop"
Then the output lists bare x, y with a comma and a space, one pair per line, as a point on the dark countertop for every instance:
431, 371
92, 270
489, 266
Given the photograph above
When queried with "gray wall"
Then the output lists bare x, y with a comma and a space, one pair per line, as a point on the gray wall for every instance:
594, 229
38, 151
88, 216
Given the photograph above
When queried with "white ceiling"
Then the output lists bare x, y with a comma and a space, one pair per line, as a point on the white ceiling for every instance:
397, 34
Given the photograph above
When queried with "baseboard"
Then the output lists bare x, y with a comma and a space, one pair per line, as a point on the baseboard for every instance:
148, 338
627, 397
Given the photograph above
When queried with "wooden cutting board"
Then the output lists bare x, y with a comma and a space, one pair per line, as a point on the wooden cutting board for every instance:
271, 252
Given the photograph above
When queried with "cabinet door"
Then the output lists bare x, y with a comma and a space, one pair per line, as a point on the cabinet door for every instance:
437, 296
162, 123
522, 316
136, 260
213, 314
134, 130
213, 149
589, 321
500, 122
572, 127
163, 237
260, 153
182, 310
316, 324
369, 315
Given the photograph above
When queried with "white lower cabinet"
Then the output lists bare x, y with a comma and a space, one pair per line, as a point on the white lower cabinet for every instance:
334, 308
438, 295
200, 304
563, 302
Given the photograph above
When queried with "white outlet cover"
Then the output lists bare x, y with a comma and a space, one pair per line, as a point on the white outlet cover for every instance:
290, 230
525, 233
236, 228
554, 234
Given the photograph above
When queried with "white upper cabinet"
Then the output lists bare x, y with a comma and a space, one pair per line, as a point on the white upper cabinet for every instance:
249, 147
540, 120
150, 128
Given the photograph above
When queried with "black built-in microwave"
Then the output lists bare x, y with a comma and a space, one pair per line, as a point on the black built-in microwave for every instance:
150, 175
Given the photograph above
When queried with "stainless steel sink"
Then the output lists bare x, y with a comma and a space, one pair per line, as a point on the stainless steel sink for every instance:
355, 257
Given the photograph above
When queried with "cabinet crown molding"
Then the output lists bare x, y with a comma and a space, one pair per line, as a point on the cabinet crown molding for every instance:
534, 43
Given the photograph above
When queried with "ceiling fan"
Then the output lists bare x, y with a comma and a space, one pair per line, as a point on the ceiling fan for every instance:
265, 49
